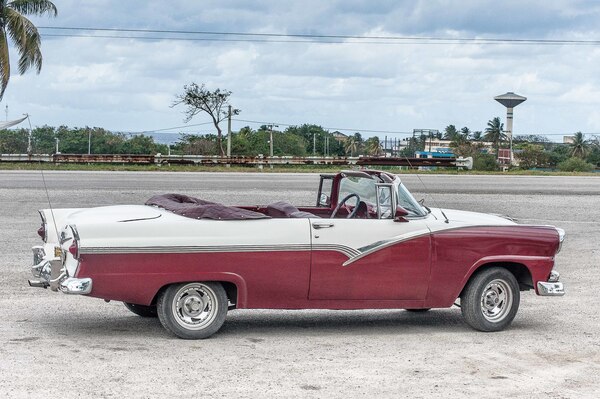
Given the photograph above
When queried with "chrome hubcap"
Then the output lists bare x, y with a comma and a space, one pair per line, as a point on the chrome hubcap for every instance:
496, 300
195, 306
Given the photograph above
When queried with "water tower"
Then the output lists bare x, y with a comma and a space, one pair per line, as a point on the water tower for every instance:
510, 100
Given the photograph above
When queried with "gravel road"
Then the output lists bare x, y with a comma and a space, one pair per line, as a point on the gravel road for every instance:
69, 346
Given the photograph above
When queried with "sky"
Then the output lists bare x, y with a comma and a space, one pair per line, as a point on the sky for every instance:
127, 81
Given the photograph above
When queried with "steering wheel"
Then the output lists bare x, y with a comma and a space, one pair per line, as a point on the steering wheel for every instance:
343, 202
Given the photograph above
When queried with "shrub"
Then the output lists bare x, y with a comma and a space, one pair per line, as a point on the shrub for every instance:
485, 162
575, 164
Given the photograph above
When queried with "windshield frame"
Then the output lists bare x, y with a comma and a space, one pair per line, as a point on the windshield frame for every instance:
406, 200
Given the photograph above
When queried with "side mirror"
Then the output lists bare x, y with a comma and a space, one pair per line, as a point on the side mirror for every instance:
399, 215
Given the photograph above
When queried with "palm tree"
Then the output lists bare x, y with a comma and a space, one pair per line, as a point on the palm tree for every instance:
450, 133
23, 34
466, 133
579, 146
373, 146
494, 132
353, 143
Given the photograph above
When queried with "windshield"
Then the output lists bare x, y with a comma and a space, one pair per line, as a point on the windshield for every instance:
408, 202
364, 187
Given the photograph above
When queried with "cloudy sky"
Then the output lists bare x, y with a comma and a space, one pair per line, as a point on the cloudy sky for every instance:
127, 80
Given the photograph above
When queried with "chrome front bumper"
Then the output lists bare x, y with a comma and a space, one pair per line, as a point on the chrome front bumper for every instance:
50, 272
552, 287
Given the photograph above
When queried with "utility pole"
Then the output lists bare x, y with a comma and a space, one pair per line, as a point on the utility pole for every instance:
89, 141
314, 144
271, 140
29, 149
229, 135
56, 152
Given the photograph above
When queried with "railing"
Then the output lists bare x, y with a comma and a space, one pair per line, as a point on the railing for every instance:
259, 161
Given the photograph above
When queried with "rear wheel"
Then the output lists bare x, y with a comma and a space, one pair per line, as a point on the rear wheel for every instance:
490, 300
141, 310
193, 310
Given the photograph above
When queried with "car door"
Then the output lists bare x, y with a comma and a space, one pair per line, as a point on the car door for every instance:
369, 259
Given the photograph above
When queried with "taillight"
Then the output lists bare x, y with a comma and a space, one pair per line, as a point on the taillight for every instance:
74, 249
42, 231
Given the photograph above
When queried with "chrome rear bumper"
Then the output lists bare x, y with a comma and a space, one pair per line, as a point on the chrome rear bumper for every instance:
76, 286
50, 272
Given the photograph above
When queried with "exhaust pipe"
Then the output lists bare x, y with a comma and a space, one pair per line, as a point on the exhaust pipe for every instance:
38, 283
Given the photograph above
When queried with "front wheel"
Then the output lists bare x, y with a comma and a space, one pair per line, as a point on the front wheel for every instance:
193, 310
490, 300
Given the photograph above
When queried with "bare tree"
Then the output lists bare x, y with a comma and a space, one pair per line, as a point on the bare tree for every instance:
215, 103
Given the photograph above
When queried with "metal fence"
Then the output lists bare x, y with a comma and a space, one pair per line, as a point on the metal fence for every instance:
259, 161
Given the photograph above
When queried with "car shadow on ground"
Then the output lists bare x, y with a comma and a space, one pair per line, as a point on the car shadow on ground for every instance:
360, 322
274, 323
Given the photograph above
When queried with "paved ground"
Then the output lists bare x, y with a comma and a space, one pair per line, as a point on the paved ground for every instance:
55, 345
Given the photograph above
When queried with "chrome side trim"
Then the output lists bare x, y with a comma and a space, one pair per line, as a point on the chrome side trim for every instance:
348, 251
193, 249
379, 245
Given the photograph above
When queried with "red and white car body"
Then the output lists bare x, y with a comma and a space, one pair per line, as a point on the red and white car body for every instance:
379, 248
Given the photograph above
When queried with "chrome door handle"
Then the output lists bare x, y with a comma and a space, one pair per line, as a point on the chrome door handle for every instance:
322, 225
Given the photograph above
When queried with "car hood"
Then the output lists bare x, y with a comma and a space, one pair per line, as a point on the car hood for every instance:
472, 218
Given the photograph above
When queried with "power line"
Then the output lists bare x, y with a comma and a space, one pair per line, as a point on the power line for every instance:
175, 127
325, 127
306, 38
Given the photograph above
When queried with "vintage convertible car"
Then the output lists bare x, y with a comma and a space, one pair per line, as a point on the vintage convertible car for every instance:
365, 244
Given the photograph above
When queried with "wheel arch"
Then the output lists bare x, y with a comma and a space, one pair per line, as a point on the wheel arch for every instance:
519, 270
233, 284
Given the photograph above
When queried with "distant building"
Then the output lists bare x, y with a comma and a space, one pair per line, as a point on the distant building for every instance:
339, 136
568, 139
436, 148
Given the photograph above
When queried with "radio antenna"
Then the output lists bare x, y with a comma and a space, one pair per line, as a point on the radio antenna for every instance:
43, 180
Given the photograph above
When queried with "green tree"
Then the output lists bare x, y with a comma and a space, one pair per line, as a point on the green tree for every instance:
485, 162
353, 144
579, 146
466, 148
196, 144
466, 133
594, 153
450, 133
23, 34
43, 140
531, 156
373, 146
575, 164
558, 154
13, 141
240, 142
494, 132
317, 139
215, 104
